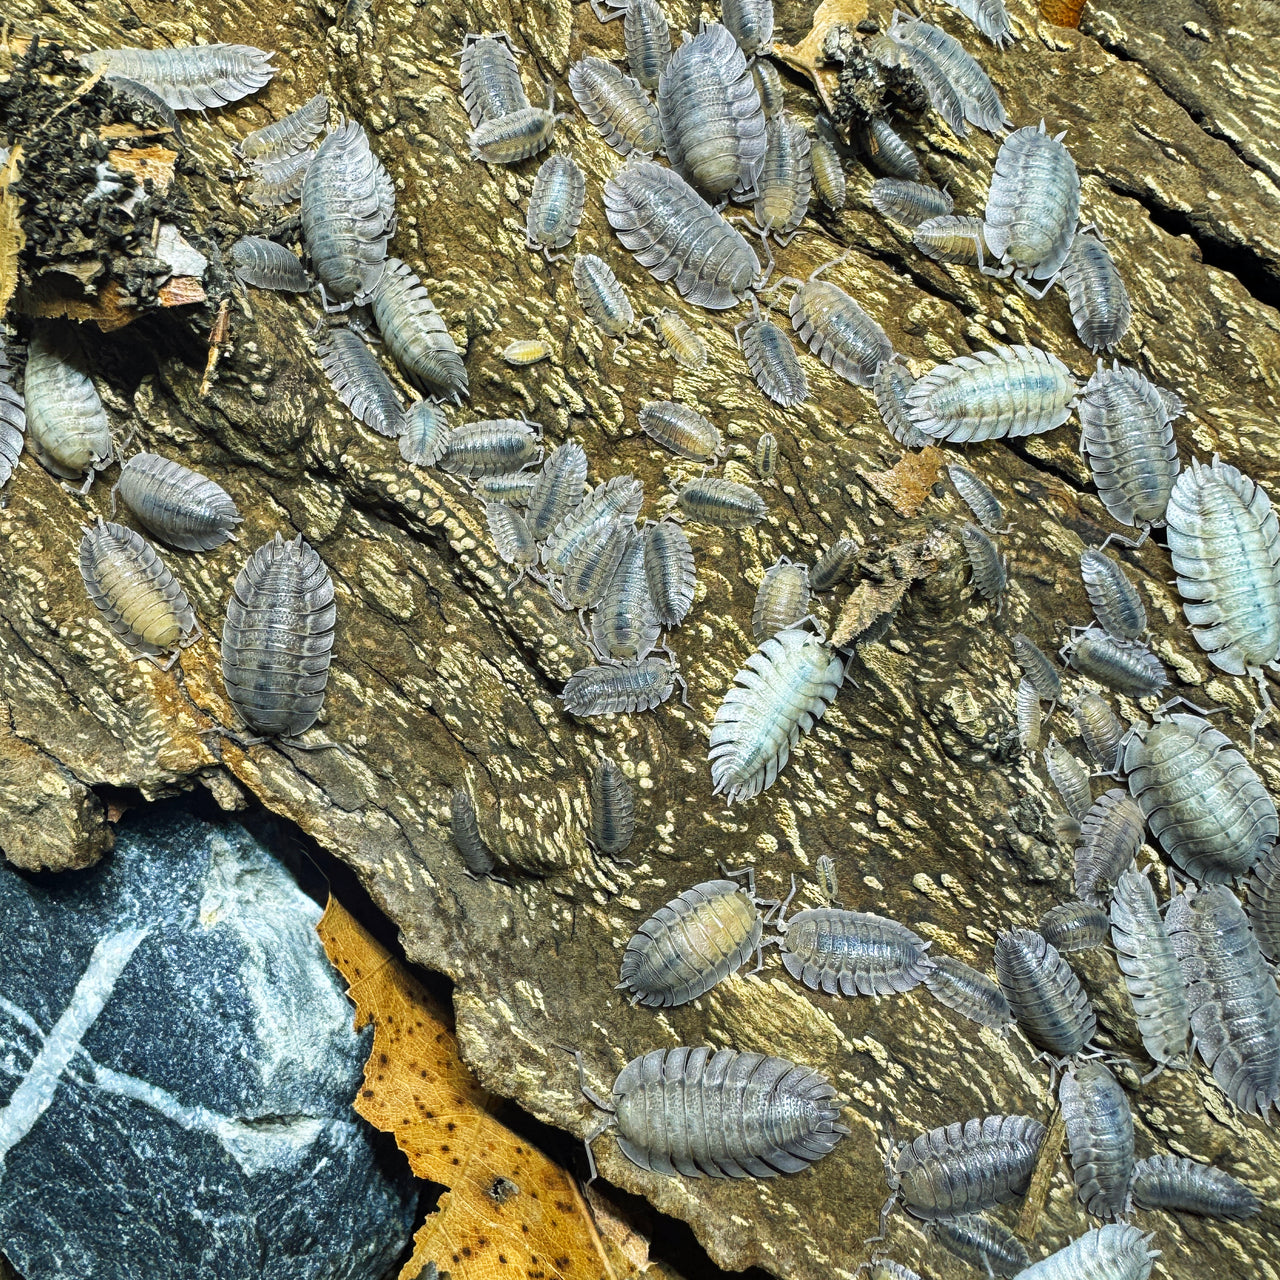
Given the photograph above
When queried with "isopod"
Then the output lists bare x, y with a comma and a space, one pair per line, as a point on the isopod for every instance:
668, 564
782, 600
697, 940
887, 152
688, 349
1116, 1251
1110, 836
885, 1269
602, 297
613, 808
714, 500
139, 598
626, 625
828, 881
1045, 995
1151, 971
1204, 803
287, 137
1028, 715
1074, 926
278, 637
677, 235
361, 382
476, 854
1070, 779
943, 96
147, 97
909, 203
1037, 667
952, 237
1185, 1185
766, 456
178, 505
13, 420
828, 169
646, 35
511, 537
555, 205
1262, 905
979, 101
772, 360
67, 426
984, 1243
985, 563
424, 434
526, 351
1231, 992
852, 952
557, 489
513, 488
490, 447
268, 265
785, 180
682, 430
415, 333
1116, 602
616, 105
1122, 665
834, 565
785, 687
1100, 308
837, 330
280, 181
890, 384
768, 86
511, 138
970, 993
639, 686
990, 17
1099, 728
750, 21
618, 498
491, 85
189, 77
978, 497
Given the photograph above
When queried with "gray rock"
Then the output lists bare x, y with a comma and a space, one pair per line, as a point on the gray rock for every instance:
177, 1063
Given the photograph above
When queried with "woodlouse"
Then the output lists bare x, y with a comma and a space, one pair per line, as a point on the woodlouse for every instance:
682, 430
885, 1269
1122, 665
887, 152
909, 203
785, 687
1007, 391
943, 97
1100, 730
639, 686
415, 333
618, 498
750, 21
626, 625
1074, 926
555, 205
67, 426
1044, 994
969, 992
784, 182
1231, 992
834, 565
979, 101
1070, 779
1186, 1186
668, 564
189, 77
1028, 715
766, 456
768, 86
828, 881
513, 488
491, 85
178, 505
557, 489
1112, 1252
983, 1243
952, 237
986, 564
697, 940
828, 169
616, 105
361, 382
772, 360
526, 351
286, 137
278, 637
1151, 971
142, 95
645, 33
511, 138
424, 434
721, 1113
476, 854
890, 385
13, 419
1262, 905
1126, 437
1037, 667
714, 500
139, 598
602, 297
782, 600
989, 16
978, 497
837, 330
713, 125
268, 265
1201, 798
1115, 600
1100, 308
490, 447
613, 808
852, 952
279, 182
1110, 837
678, 236
511, 537
688, 349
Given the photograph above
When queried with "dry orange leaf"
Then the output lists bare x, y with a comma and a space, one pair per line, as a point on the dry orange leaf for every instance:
11, 236
906, 485
1062, 13
807, 55
510, 1212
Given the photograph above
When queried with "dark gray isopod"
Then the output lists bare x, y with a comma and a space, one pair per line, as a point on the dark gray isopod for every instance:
772, 360
986, 564
766, 456
1116, 602
268, 265
1186, 1186
1044, 994
361, 382
1122, 665
1110, 836
178, 505
1074, 926
476, 854
782, 600
648, 40
714, 500
1099, 1137
557, 489
1100, 308
969, 992
1070, 779
638, 686
978, 497
909, 203
613, 808
1262, 905
887, 152
490, 447
852, 952
834, 565
555, 205
828, 881
1037, 667
13, 420
983, 1243
669, 566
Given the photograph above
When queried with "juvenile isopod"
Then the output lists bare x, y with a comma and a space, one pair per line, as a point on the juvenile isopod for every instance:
1099, 728
834, 565
189, 77
1186, 1186
1045, 995
511, 537
970, 993
1110, 836
476, 854
613, 808
978, 497
772, 360
983, 1243
909, 203
687, 348
178, 505
783, 690
618, 498
768, 86
714, 500
1116, 1251
1100, 308
782, 600
491, 447
682, 430
13, 419
279, 182
952, 237
286, 137
67, 426
1037, 667
626, 625
1074, 926
415, 333
1122, 665
602, 297
278, 637
645, 33
139, 598
268, 265
979, 101
668, 564
631, 687
526, 351
617, 106
1070, 779
828, 881
891, 384
555, 205
1116, 602
511, 138
785, 180
852, 952
557, 489
766, 456
513, 488
986, 564
1027, 712
361, 382
828, 169
887, 152
491, 85
424, 434
837, 330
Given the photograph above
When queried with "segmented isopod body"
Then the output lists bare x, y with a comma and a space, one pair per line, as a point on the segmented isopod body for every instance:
142, 95
13, 419
287, 137
838, 331
626, 624
1262, 905
415, 333
361, 382
491, 85
978, 98
178, 505
513, 488
723, 1113
689, 350
1070, 779
1100, 730
592, 566
985, 563
557, 489
1113, 1252
1074, 926
526, 351
963, 1168
1028, 716
1185, 1185
782, 600
140, 600
648, 40
1037, 667
424, 434
67, 426
714, 500
681, 429
768, 86
280, 181
600, 691
990, 17
555, 206
490, 447
828, 170
852, 952
278, 637
613, 808
984, 1243
885, 1269
943, 97
784, 689
713, 125
766, 456
511, 537
668, 564
602, 297
750, 21
1121, 665
834, 565
616, 105
1235, 1008
909, 203
1100, 308
887, 152
772, 360
891, 383
828, 881
1127, 438
467, 839
619, 498
1033, 204
785, 180
1110, 837
1044, 994
952, 237
677, 235
511, 138
687, 946
268, 265
189, 77
970, 993
1116, 602
978, 497
1151, 971
1203, 801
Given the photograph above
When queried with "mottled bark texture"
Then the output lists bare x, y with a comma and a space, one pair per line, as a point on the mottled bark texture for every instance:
913, 784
